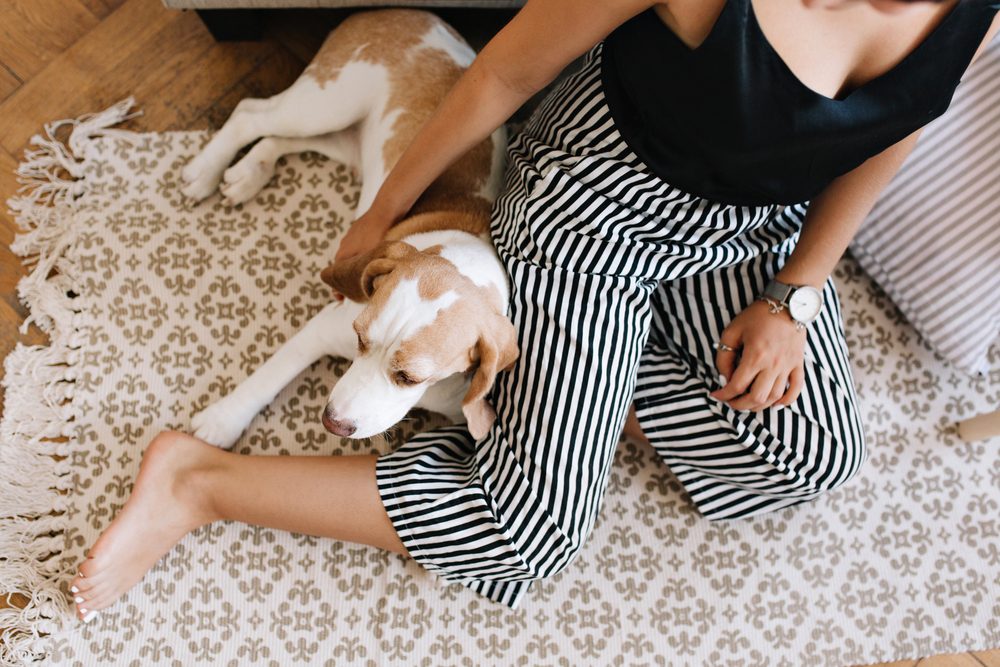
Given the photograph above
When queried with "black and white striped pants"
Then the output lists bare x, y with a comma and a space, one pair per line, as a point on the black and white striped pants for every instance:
620, 286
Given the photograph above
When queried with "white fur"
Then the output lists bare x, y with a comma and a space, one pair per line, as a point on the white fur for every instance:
438, 37
344, 119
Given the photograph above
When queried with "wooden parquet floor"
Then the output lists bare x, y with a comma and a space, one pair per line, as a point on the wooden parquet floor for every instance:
64, 58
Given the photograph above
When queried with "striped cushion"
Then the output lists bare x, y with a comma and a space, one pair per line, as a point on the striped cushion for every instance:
932, 242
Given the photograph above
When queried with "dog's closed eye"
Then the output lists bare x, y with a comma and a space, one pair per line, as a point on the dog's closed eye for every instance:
401, 377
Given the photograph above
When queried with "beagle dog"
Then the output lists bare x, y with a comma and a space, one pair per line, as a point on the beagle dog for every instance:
424, 319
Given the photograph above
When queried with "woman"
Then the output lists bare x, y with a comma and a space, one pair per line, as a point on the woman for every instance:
653, 226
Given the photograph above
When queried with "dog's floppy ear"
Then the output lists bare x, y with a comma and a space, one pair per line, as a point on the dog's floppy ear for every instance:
355, 277
498, 351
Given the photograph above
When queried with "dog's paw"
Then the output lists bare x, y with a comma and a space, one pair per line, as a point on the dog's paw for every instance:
200, 177
244, 180
220, 424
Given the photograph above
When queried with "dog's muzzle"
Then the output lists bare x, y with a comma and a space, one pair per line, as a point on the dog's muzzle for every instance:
341, 427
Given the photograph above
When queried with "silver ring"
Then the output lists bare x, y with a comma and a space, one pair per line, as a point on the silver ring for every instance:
723, 346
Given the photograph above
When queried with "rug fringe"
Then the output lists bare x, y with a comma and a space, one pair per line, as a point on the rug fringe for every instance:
38, 383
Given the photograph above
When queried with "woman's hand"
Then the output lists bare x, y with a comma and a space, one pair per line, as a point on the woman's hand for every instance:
364, 234
771, 352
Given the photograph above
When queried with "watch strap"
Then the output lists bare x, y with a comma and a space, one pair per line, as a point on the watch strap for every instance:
779, 291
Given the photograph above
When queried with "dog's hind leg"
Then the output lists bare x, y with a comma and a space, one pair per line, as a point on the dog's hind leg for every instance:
328, 333
246, 178
307, 109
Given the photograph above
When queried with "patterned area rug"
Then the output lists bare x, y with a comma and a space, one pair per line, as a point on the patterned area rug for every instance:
160, 307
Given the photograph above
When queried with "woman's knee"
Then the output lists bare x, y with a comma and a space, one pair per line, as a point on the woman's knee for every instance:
839, 449
854, 444
543, 541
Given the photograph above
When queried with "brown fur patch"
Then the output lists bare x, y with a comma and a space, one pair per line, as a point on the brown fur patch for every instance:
381, 37
473, 221
419, 78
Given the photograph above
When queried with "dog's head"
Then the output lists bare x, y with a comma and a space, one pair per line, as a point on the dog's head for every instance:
423, 321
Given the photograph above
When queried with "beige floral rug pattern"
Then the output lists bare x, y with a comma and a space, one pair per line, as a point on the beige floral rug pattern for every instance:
177, 303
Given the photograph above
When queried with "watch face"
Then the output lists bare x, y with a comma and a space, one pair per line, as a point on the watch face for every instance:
805, 304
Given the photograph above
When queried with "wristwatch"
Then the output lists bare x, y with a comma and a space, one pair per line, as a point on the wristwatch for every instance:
804, 302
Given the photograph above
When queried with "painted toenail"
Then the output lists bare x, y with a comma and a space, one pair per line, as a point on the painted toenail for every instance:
78, 599
74, 589
89, 617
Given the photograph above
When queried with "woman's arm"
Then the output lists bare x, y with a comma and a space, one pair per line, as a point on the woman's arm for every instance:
527, 54
835, 215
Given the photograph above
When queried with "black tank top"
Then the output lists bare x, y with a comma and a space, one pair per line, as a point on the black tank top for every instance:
730, 122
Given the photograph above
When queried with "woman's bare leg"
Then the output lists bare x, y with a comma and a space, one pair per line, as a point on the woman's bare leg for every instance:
632, 428
184, 483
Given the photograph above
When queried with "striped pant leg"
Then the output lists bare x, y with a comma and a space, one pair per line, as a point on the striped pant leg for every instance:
737, 463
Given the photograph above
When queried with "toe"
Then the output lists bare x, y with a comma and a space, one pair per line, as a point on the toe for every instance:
86, 577
80, 597
80, 585
101, 602
89, 603
87, 616
88, 599
94, 592
93, 570
88, 567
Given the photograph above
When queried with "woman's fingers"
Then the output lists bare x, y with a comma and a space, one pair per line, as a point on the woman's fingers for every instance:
795, 383
777, 390
725, 361
759, 392
739, 381
764, 365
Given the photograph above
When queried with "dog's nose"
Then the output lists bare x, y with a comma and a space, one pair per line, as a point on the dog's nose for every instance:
341, 427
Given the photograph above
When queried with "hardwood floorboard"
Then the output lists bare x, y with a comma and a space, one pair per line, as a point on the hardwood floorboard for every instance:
957, 660
988, 658
193, 77
35, 32
101, 8
272, 76
8, 186
8, 82
302, 31
186, 99
12, 313
105, 65
11, 271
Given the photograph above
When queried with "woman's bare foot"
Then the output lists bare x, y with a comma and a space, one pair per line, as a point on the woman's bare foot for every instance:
166, 504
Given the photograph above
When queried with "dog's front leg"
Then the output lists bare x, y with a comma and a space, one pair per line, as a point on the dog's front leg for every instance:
328, 333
